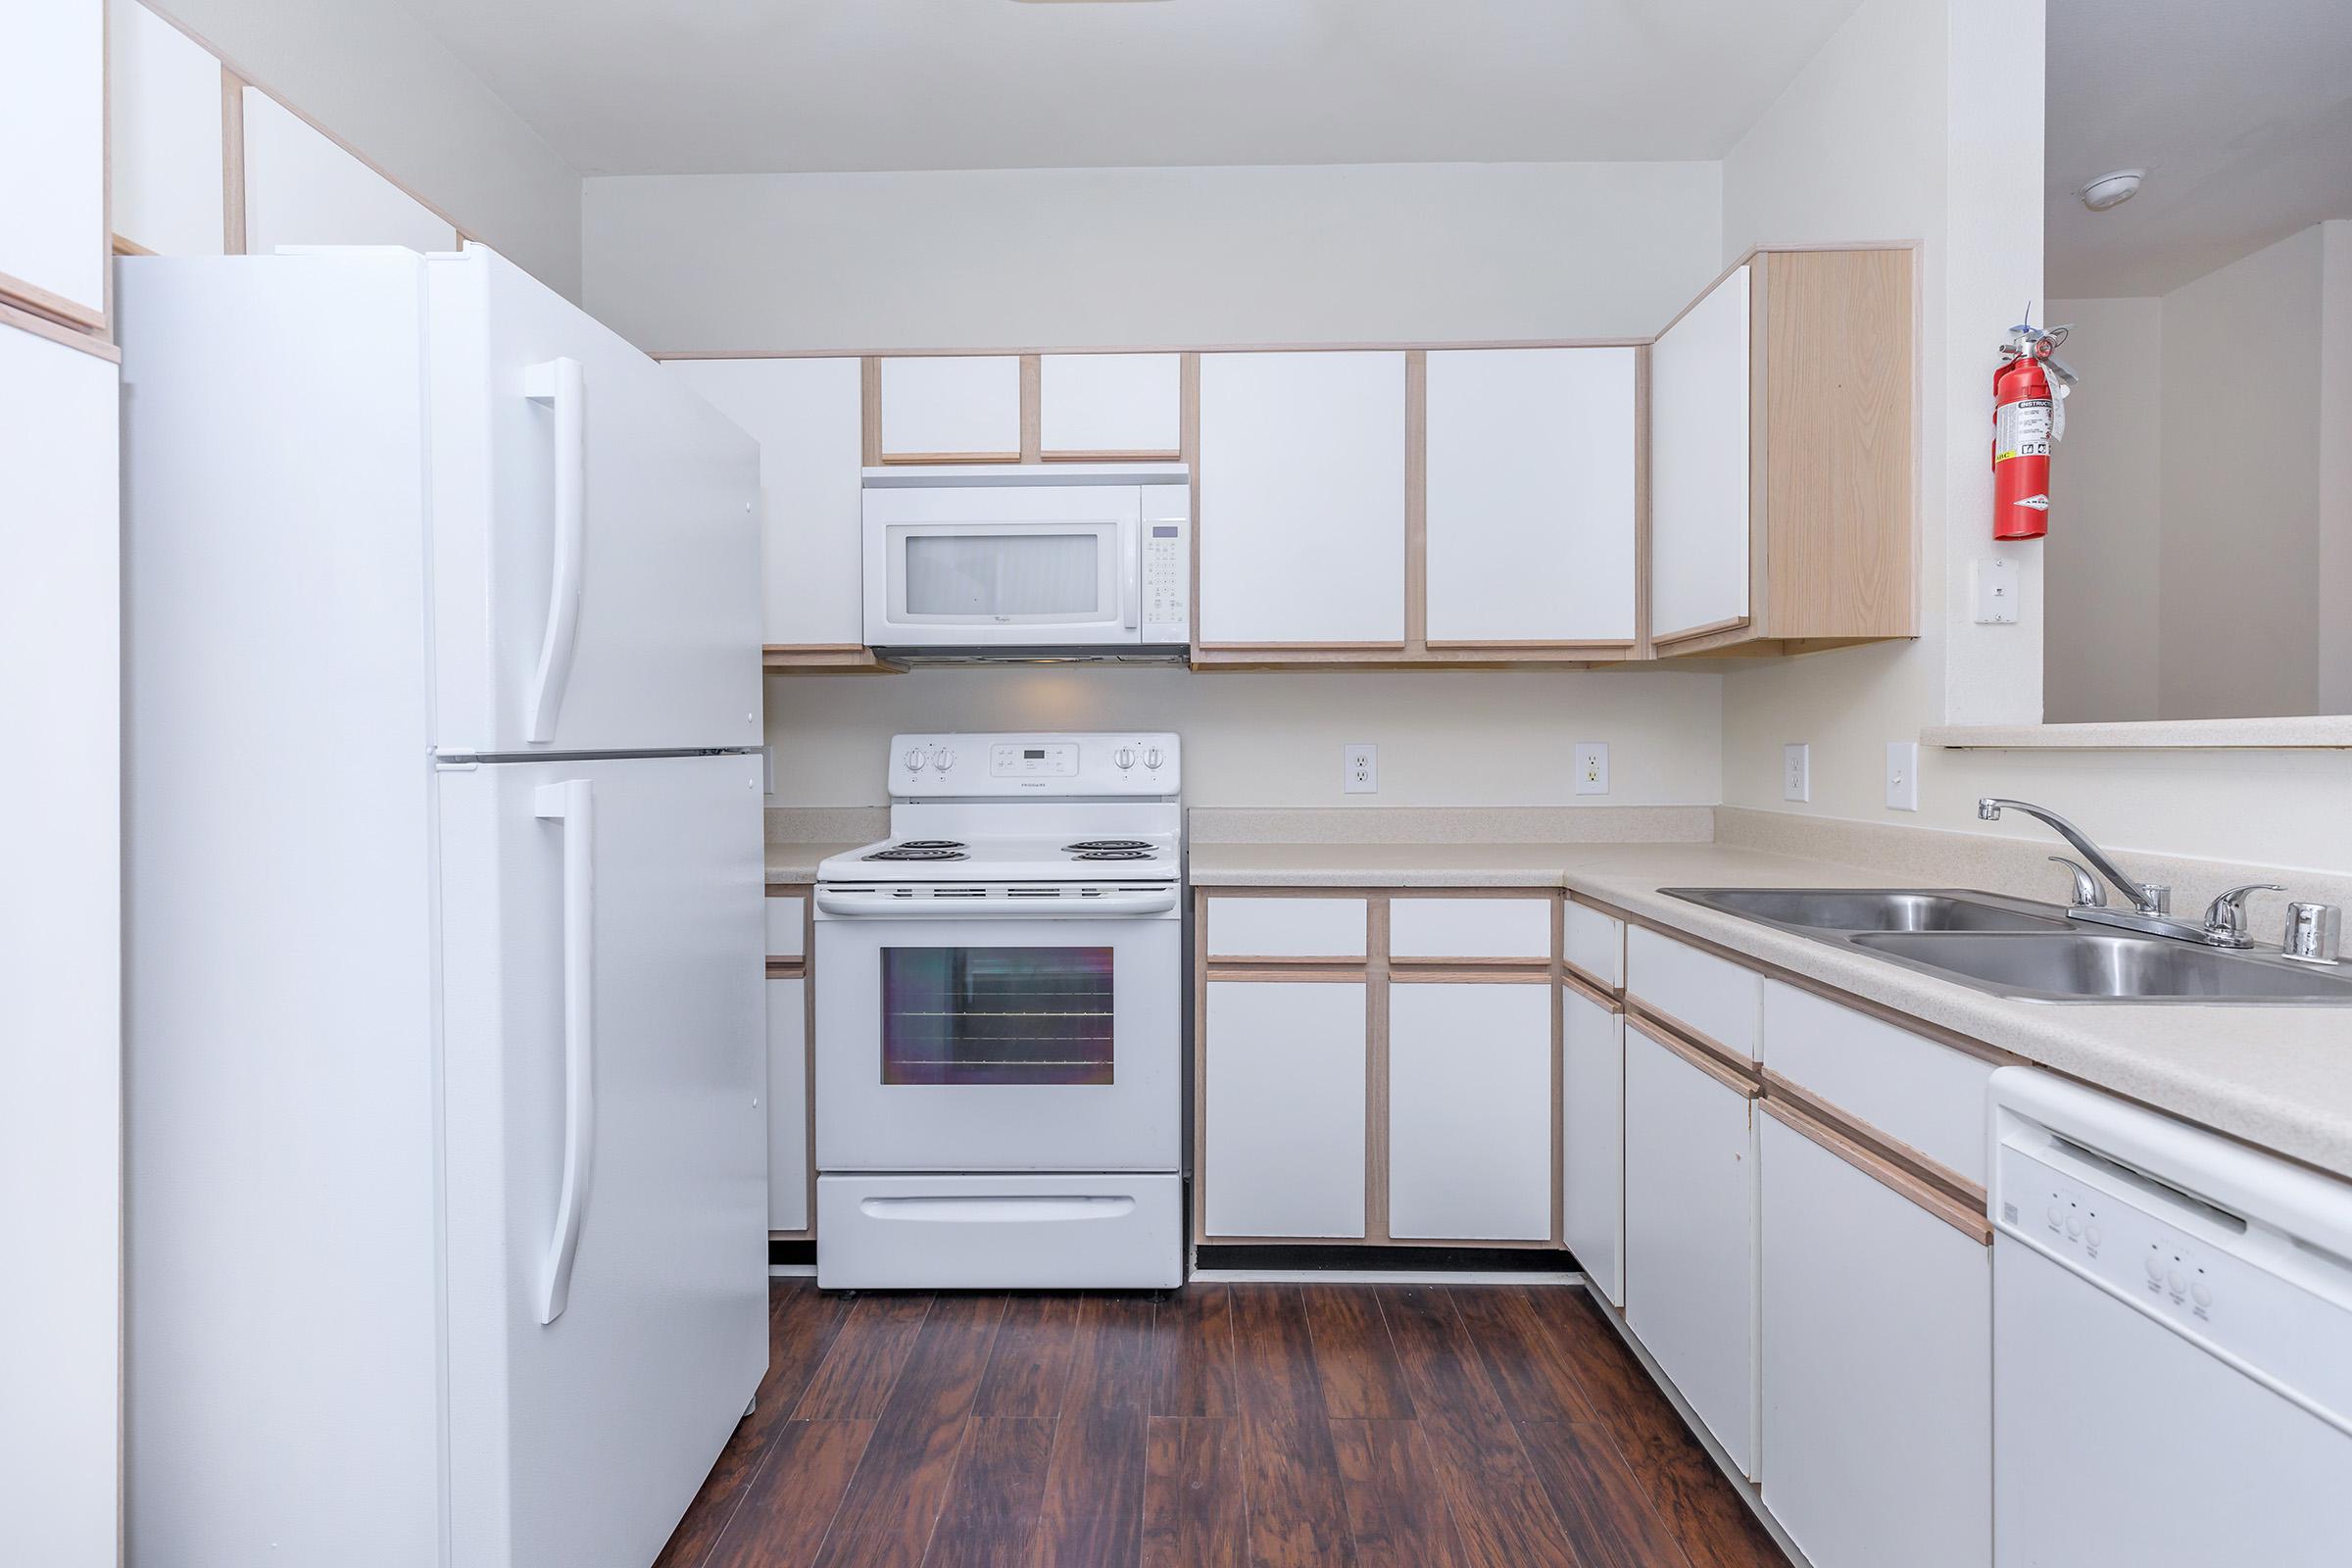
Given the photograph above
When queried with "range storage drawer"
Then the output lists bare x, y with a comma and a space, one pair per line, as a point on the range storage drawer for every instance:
996, 1233
1712, 997
1287, 928
1426, 928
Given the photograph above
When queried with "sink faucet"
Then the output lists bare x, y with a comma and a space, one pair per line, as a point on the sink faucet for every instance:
2147, 898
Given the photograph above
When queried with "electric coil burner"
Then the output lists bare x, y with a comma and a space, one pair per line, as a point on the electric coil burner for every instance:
998, 1057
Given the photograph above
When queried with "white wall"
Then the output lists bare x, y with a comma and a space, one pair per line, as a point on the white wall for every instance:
2334, 685
2103, 555
369, 71
1103, 256
1446, 738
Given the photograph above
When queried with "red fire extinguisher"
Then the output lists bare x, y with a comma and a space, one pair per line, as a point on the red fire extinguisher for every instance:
2029, 414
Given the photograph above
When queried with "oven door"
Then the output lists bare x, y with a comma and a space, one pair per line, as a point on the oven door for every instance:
998, 1042
1006, 565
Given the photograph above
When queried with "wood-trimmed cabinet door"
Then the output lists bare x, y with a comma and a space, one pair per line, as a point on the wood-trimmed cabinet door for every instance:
1698, 465
1690, 1234
1470, 1097
53, 237
788, 1102
168, 166
808, 418
1532, 460
1101, 407
1301, 491
951, 408
1592, 1139
1877, 1322
304, 188
1283, 1148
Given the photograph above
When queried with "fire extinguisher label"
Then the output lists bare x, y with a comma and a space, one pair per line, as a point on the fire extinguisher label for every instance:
2022, 429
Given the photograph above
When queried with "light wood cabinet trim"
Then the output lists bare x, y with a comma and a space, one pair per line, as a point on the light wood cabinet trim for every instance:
817, 658
1577, 981
58, 332
1032, 407
1657, 1019
1109, 457
896, 459
1302, 970
1471, 971
1920, 1166
1692, 633
32, 299
869, 397
1707, 1062
1892, 1177
1376, 1074
1375, 346
232, 163
130, 247
1416, 500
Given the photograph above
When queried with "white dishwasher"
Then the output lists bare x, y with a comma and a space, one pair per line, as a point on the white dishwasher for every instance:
2172, 1341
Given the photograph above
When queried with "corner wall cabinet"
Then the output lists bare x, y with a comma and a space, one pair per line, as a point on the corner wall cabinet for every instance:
53, 239
168, 100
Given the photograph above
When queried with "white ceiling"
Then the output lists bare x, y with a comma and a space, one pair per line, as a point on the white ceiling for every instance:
708, 86
2242, 113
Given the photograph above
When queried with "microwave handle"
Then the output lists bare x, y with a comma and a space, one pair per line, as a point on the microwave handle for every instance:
1131, 572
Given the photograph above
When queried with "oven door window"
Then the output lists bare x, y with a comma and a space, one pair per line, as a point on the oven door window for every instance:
997, 1016
1041, 575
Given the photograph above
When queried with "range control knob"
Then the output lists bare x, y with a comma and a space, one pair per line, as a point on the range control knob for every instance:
943, 758
1125, 757
914, 760
1152, 758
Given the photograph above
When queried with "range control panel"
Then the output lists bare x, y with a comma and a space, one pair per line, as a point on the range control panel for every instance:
982, 767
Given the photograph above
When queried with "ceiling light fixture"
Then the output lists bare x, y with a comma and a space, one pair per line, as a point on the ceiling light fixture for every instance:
2112, 190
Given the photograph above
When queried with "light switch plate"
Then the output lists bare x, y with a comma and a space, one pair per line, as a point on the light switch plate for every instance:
1592, 767
1360, 769
1995, 584
1796, 772
1902, 775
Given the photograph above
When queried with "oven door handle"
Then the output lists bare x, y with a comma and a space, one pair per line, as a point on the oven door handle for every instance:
890, 906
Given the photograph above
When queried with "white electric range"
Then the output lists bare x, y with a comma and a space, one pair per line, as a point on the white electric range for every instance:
998, 1027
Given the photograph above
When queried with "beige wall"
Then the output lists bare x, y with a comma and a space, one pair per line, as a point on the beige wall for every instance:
2104, 552
2334, 693
372, 74
1102, 257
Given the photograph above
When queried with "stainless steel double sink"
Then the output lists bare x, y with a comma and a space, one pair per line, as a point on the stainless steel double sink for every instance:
2022, 949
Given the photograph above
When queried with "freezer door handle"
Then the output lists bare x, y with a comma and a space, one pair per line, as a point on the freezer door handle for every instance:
573, 802
559, 383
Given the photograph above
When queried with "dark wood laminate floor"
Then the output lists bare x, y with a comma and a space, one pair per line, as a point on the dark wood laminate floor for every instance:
1276, 1425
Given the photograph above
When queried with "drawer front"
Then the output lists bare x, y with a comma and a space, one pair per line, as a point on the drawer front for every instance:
1594, 943
787, 926
1711, 997
1287, 928
996, 1233
1914, 1090
1470, 928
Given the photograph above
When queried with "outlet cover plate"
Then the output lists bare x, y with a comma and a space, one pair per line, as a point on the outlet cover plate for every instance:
1359, 769
1796, 772
1902, 775
1592, 767
1997, 591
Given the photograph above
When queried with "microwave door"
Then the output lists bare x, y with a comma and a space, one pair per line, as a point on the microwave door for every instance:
938, 576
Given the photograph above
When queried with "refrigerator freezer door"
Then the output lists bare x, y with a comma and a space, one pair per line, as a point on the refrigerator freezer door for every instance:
595, 533
606, 1163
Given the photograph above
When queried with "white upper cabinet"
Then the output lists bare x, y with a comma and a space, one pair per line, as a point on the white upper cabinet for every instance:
52, 240
952, 408
1300, 483
1699, 465
1110, 406
1532, 456
166, 95
808, 416
301, 188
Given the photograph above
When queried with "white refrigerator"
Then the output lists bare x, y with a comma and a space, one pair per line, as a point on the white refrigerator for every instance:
446, 1163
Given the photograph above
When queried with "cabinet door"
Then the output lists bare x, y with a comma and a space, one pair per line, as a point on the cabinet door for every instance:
1283, 1128
1302, 492
1470, 1097
1531, 460
1698, 465
1110, 406
808, 418
53, 243
164, 98
1877, 1367
1690, 1236
1592, 1140
788, 1104
301, 188
951, 408
61, 1109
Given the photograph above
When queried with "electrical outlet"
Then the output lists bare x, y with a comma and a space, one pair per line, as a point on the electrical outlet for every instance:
1360, 769
1997, 591
1592, 767
1902, 775
1796, 772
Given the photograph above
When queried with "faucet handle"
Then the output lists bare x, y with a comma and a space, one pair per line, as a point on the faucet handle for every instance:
2314, 931
2089, 893
2226, 915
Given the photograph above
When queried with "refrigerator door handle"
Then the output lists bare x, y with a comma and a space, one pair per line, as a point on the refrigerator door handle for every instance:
559, 383
573, 802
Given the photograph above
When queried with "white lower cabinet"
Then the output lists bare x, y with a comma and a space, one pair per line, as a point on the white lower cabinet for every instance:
1877, 1367
1592, 1140
1470, 1095
1690, 1234
1282, 1108
788, 1104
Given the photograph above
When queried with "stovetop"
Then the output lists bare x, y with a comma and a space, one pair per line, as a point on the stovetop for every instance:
1006, 857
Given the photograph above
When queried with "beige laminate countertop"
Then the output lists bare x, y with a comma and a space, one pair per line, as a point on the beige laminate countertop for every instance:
797, 862
2279, 1077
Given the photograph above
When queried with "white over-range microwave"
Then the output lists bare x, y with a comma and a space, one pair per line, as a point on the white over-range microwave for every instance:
989, 560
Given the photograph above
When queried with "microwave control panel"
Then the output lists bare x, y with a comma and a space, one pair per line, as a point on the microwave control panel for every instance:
1167, 552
